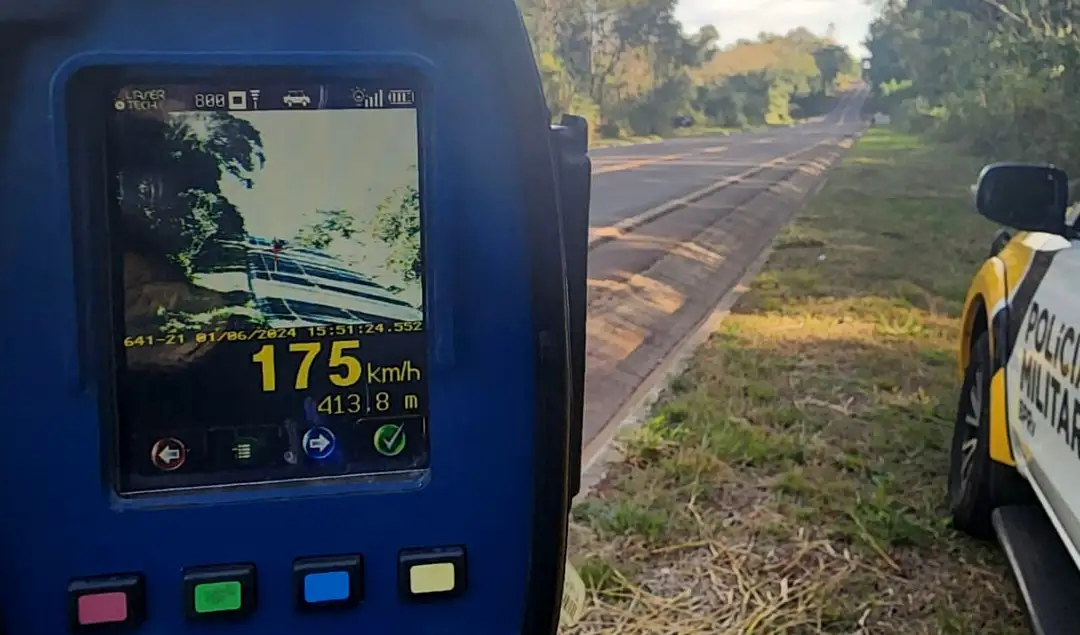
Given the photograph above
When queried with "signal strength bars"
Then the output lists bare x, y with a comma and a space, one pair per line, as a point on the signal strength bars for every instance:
380, 98
374, 100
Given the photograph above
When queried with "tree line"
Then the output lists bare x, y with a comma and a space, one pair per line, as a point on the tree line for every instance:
1001, 77
630, 68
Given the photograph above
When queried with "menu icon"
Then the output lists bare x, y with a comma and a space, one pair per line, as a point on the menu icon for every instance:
243, 450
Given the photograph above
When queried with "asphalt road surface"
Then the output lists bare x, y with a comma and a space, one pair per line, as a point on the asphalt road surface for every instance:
661, 268
628, 180
300, 287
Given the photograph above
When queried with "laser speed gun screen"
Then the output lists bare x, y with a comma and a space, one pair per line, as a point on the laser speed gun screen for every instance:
269, 287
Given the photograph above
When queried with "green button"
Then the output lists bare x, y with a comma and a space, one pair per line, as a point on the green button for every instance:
214, 597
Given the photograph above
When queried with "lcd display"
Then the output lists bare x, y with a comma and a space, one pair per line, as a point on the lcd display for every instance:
268, 283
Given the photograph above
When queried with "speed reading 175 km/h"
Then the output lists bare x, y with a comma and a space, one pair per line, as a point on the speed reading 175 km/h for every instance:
345, 369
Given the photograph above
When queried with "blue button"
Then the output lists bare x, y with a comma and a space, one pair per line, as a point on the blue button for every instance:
331, 586
328, 583
319, 443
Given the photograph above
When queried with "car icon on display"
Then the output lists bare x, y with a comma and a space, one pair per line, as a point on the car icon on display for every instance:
296, 98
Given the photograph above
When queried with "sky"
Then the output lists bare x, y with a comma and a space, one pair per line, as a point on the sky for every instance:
745, 19
327, 159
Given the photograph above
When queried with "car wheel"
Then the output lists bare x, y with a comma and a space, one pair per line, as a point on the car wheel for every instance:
977, 484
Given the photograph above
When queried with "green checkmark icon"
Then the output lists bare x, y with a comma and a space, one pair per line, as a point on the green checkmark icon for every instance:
390, 439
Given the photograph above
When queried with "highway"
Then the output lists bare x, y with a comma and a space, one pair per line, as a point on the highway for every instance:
630, 179
302, 287
675, 226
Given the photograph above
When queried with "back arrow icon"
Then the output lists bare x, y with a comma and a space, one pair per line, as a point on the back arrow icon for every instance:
168, 454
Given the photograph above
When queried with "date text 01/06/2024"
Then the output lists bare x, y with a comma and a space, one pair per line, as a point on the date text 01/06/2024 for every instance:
176, 339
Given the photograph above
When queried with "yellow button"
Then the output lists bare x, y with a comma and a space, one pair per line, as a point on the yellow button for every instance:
431, 578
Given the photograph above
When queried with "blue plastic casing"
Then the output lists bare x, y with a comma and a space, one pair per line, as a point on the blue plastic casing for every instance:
496, 301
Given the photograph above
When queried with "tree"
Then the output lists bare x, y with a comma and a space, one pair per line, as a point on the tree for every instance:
628, 65
397, 223
831, 60
1001, 76
619, 62
174, 213
770, 80
331, 224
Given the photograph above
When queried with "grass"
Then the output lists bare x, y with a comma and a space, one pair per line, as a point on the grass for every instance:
608, 142
693, 131
793, 479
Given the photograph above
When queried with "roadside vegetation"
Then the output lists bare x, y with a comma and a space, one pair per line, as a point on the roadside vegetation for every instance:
792, 480
628, 66
691, 131
999, 77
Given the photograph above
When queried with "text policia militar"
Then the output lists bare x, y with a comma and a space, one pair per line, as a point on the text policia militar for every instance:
1050, 375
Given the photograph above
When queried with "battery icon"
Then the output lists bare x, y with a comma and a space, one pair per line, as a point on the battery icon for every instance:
399, 97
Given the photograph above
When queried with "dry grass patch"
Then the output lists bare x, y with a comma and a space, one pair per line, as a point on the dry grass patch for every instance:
793, 479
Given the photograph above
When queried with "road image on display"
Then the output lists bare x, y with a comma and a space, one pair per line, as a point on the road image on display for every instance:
269, 220
270, 275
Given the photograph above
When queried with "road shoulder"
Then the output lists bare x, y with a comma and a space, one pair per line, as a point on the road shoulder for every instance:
792, 479
651, 288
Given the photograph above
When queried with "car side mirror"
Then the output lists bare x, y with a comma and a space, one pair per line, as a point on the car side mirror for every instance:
1023, 196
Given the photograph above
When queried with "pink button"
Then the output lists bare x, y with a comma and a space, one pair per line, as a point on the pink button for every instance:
103, 608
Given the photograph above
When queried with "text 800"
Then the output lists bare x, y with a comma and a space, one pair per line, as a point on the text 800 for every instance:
210, 100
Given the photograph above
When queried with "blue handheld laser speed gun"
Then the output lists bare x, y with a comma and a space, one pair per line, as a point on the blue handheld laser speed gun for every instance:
295, 299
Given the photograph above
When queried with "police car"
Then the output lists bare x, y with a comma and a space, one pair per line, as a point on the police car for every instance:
1015, 453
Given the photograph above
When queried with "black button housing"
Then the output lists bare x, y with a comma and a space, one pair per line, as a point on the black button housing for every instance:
132, 585
409, 558
352, 566
244, 574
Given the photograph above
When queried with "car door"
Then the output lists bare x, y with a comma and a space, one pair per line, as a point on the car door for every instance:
1043, 372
